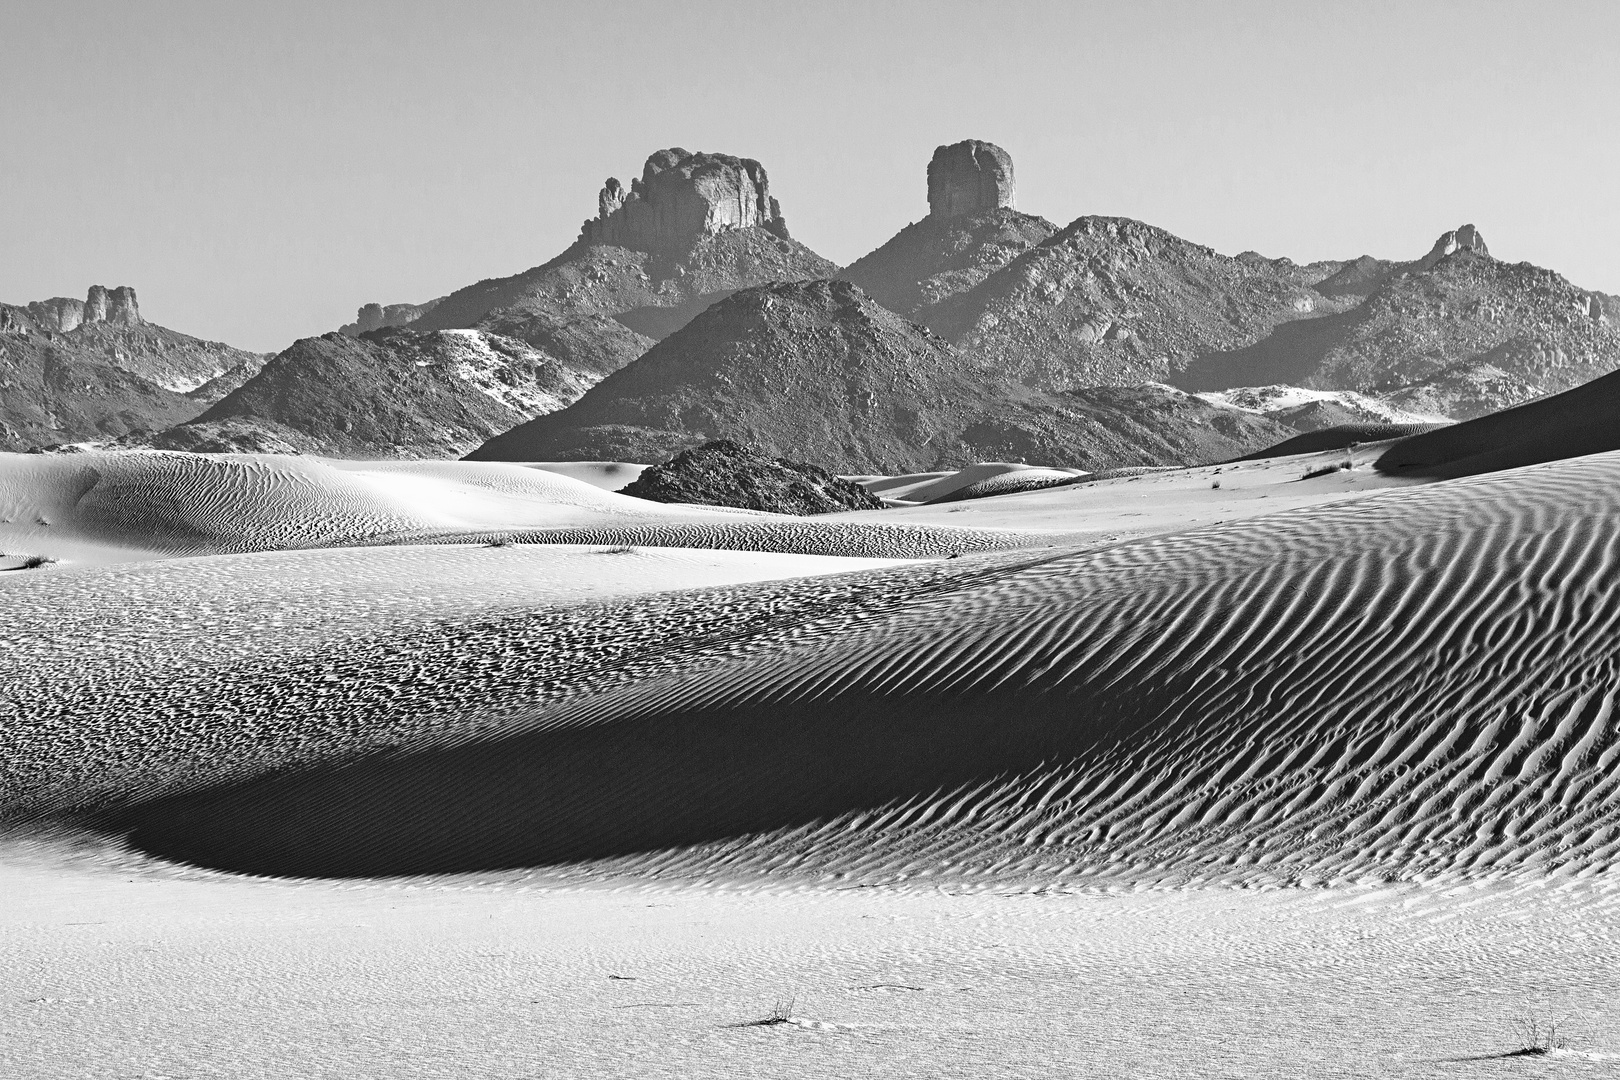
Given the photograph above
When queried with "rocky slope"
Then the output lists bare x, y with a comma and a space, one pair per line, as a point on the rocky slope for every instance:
692, 229
972, 230
818, 370
722, 473
1457, 333
390, 393
1113, 301
92, 370
107, 327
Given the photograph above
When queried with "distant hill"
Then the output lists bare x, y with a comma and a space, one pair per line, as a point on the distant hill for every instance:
395, 392
693, 228
1114, 301
819, 371
1457, 332
74, 371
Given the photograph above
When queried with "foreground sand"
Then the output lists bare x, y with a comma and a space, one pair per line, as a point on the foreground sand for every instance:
1329, 791
138, 974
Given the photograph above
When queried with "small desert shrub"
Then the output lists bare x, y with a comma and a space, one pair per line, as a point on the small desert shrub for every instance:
500, 541
1326, 470
1216, 484
34, 562
1538, 1036
781, 1013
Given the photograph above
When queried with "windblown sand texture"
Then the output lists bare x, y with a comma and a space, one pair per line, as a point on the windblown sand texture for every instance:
115, 507
1384, 689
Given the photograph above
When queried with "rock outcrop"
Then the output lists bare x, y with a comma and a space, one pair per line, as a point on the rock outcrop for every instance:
694, 229
381, 316
681, 197
722, 473
968, 178
817, 370
115, 307
1466, 238
953, 248
58, 315
1456, 333
87, 371
392, 393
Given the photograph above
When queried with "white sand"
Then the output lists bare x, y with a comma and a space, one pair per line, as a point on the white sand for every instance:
1160, 501
141, 975
1330, 791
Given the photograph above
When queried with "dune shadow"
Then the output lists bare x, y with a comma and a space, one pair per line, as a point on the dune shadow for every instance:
604, 790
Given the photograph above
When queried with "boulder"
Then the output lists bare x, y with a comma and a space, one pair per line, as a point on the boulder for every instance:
969, 177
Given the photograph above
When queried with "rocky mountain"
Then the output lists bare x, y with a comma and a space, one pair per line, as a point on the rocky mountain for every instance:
73, 371
693, 228
1311, 410
396, 392
972, 230
722, 473
1457, 333
1113, 301
818, 370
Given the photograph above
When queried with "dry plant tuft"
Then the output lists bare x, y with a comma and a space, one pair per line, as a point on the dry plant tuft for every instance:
1538, 1036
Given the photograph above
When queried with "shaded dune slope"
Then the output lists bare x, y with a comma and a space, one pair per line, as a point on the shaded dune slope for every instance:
1418, 684
1338, 437
1585, 420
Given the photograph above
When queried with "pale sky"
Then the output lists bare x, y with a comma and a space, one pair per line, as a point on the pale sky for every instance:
257, 171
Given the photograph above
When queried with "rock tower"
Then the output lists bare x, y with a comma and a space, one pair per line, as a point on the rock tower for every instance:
969, 177
116, 307
681, 197
1466, 238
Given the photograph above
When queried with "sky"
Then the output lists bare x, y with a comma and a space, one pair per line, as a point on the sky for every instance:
258, 171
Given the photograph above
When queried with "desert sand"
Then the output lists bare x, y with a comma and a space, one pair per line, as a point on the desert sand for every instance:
1310, 773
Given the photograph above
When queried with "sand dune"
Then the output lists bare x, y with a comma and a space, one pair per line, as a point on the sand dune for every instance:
1415, 684
974, 481
607, 475
1143, 503
1585, 420
114, 507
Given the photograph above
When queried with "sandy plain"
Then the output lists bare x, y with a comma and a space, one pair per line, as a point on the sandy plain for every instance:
1298, 775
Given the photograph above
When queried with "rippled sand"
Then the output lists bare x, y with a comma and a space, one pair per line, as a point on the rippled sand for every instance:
1326, 791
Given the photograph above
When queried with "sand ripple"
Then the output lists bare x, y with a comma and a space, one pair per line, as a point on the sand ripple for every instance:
1419, 684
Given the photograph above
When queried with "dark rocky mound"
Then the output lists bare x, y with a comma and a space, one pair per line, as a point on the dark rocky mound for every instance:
1339, 438
1585, 420
971, 231
94, 370
722, 473
1111, 300
819, 370
389, 393
693, 229
1457, 333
